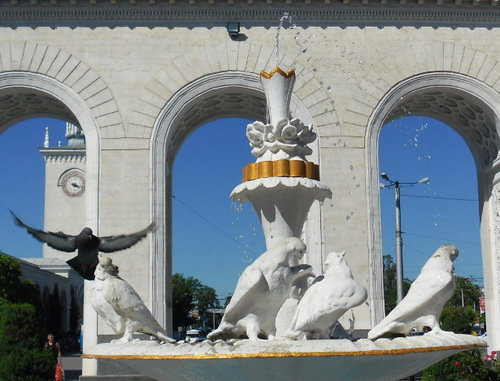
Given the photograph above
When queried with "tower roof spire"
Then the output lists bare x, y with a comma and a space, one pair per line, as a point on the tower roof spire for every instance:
46, 141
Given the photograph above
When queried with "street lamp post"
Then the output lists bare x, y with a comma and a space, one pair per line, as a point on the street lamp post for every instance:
399, 239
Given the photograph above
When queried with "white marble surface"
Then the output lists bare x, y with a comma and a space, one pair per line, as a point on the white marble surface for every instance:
424, 302
330, 360
120, 306
281, 217
261, 291
327, 299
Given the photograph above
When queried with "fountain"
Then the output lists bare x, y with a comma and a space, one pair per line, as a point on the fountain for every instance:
282, 185
279, 323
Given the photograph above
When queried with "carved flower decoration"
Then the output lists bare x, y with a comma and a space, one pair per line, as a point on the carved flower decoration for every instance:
285, 140
258, 133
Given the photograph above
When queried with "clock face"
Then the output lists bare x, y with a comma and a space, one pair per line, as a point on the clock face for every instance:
73, 183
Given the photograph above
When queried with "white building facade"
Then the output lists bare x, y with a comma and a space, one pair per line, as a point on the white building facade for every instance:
139, 76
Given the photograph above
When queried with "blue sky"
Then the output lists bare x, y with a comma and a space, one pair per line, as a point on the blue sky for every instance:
445, 210
215, 239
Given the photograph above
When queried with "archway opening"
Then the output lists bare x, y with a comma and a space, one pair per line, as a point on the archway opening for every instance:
216, 96
441, 211
213, 238
469, 107
227, 236
22, 171
33, 126
35, 154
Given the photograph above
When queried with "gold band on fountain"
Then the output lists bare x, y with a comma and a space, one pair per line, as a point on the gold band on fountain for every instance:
286, 74
281, 168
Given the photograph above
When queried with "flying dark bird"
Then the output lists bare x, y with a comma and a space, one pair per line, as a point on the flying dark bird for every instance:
86, 244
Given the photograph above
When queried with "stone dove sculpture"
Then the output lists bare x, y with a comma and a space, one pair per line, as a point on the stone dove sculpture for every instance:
261, 291
327, 299
86, 244
423, 304
120, 306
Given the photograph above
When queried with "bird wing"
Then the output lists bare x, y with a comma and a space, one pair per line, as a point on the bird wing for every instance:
122, 296
323, 298
58, 241
250, 283
113, 243
422, 294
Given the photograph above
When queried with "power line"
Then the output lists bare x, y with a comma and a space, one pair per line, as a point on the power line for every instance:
440, 238
442, 198
211, 223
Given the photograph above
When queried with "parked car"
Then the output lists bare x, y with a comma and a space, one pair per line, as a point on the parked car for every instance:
197, 335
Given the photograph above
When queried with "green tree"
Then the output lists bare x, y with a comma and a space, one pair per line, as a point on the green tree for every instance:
53, 312
21, 334
12, 288
466, 293
458, 313
21, 344
459, 316
458, 319
188, 294
390, 284
75, 313
205, 298
10, 271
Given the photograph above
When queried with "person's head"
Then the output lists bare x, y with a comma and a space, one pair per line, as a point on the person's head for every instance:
50, 338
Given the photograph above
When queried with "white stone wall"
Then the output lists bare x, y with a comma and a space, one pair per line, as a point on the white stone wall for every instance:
62, 212
117, 82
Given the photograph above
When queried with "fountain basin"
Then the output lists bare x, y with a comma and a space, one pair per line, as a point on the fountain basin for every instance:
364, 359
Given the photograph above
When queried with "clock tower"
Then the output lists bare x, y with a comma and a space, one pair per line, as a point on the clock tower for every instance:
64, 186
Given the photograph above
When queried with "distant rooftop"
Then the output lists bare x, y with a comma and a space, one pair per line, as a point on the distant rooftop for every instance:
46, 262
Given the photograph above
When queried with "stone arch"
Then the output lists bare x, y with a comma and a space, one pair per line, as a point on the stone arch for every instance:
417, 59
368, 97
34, 94
47, 85
215, 58
212, 96
51, 64
472, 109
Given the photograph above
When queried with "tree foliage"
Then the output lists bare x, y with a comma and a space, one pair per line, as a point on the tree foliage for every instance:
458, 319
21, 334
12, 288
462, 366
53, 312
466, 293
188, 294
75, 313
390, 284
21, 344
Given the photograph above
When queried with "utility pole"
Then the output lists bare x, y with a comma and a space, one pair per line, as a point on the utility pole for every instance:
399, 239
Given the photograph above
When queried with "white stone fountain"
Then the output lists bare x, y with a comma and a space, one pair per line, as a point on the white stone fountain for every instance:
281, 176
282, 185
